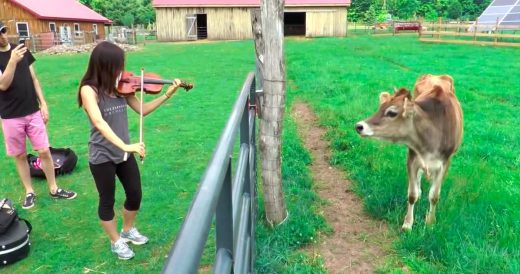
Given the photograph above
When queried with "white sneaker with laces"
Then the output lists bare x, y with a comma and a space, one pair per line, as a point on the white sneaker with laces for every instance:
121, 249
134, 237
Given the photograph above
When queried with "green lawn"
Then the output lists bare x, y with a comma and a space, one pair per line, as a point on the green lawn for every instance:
478, 217
180, 137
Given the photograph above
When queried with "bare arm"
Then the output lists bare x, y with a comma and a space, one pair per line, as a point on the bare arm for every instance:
6, 78
149, 107
39, 93
89, 99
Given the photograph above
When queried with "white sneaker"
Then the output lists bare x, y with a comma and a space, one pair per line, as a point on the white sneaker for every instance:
121, 249
134, 236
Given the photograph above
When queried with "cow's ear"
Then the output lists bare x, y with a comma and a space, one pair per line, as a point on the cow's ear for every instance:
405, 92
408, 109
448, 79
384, 97
437, 91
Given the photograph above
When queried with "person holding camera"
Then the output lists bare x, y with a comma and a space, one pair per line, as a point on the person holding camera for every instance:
24, 114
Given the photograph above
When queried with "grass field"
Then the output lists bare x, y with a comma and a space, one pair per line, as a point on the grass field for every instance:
180, 137
478, 218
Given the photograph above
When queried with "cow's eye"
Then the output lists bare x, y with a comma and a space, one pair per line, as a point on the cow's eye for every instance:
391, 113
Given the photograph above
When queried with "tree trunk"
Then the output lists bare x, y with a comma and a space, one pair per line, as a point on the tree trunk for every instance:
268, 33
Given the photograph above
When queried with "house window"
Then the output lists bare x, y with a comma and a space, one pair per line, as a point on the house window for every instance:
94, 27
52, 27
22, 28
77, 30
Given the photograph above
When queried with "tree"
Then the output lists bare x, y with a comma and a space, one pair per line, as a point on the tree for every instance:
362, 10
127, 20
268, 32
454, 9
124, 11
370, 16
406, 9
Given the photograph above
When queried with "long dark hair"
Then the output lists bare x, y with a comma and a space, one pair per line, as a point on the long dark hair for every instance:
106, 62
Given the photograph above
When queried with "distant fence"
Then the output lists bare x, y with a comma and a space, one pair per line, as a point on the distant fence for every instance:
121, 35
384, 28
232, 201
131, 36
43, 41
471, 33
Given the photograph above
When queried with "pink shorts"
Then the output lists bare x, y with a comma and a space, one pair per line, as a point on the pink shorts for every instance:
16, 131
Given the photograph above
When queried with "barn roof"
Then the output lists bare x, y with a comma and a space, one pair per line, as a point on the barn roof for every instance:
245, 3
69, 10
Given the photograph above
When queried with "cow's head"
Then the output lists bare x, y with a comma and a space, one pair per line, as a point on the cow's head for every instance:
393, 120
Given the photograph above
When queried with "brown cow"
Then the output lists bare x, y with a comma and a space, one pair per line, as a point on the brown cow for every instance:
430, 124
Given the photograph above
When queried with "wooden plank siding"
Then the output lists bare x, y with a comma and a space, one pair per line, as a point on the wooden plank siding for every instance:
223, 23
326, 22
11, 14
234, 23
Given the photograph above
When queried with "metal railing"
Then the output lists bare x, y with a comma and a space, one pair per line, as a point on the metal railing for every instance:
232, 201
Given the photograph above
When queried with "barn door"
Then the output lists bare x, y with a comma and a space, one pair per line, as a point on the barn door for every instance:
191, 27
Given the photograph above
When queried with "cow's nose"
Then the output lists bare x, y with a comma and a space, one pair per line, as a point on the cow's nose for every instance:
359, 127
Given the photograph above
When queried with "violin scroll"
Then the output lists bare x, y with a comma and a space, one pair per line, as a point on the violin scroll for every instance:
186, 86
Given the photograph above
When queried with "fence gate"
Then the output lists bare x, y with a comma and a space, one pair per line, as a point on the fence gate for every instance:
230, 199
191, 27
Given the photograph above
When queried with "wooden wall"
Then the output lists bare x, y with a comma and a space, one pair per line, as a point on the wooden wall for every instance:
326, 22
223, 23
10, 14
235, 23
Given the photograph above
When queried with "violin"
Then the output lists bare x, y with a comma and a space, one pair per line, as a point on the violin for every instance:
153, 84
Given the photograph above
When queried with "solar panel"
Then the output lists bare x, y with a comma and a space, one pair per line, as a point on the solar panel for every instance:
504, 13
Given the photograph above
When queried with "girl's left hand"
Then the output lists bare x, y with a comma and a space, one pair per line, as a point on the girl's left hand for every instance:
173, 88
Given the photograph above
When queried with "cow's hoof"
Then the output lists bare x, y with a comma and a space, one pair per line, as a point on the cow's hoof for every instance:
430, 219
406, 227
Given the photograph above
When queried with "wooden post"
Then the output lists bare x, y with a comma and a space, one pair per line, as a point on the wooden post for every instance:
134, 34
439, 28
475, 31
269, 38
496, 31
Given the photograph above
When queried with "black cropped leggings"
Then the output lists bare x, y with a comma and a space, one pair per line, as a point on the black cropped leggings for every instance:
105, 177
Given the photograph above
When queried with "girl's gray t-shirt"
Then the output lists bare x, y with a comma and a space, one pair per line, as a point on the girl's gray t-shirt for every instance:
113, 111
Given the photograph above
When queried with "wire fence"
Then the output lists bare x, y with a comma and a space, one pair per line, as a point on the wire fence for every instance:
47, 40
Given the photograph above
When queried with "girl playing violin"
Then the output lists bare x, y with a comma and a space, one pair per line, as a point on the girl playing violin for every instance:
110, 149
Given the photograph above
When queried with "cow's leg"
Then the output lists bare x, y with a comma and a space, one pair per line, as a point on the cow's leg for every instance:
435, 191
414, 187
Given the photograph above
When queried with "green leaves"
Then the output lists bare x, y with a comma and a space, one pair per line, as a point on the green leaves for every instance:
124, 12
369, 10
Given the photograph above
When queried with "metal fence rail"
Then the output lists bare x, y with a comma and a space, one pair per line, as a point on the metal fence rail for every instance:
232, 202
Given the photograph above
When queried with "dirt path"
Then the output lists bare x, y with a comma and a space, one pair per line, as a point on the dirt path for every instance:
358, 243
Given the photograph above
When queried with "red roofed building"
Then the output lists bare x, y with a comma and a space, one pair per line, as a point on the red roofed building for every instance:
231, 19
67, 19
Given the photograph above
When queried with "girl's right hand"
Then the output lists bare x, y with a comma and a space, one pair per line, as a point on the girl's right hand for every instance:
136, 148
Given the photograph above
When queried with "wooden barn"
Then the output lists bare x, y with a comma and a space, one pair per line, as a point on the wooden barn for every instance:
179, 20
64, 20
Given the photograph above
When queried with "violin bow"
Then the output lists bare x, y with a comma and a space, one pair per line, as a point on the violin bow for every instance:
141, 120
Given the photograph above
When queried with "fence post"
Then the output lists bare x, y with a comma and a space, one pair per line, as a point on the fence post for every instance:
496, 31
224, 215
439, 29
475, 32
252, 173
